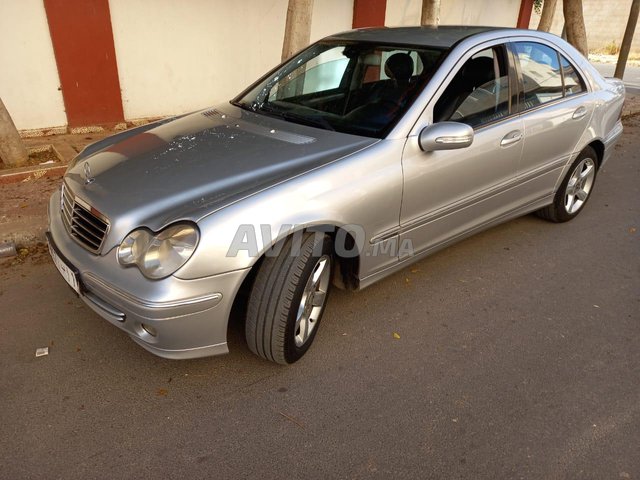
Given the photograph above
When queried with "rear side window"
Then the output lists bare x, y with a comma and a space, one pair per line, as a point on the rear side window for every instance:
541, 74
546, 74
573, 83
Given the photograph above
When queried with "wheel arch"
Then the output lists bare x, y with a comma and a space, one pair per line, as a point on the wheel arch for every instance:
347, 268
598, 147
342, 239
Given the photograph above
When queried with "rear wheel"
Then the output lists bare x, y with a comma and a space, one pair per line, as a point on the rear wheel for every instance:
288, 299
574, 190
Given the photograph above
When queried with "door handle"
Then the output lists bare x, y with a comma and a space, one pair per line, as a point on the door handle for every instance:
511, 138
579, 113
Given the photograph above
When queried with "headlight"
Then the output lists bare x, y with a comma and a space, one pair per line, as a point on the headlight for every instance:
159, 255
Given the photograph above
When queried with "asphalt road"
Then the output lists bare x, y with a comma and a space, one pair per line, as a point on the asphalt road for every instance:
518, 358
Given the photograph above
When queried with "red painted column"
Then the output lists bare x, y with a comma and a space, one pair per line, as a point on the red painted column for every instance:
369, 13
85, 55
524, 16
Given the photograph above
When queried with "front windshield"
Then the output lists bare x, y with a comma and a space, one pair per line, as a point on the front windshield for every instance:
356, 88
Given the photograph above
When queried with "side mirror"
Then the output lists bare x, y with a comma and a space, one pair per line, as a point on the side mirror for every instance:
445, 136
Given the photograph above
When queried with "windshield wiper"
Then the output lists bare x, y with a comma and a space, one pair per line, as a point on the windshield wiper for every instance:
243, 105
316, 121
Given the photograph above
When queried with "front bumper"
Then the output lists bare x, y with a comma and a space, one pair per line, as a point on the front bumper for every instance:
172, 317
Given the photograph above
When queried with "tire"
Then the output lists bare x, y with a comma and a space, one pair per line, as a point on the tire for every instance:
575, 189
288, 298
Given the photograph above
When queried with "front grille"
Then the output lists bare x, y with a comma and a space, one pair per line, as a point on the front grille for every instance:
84, 224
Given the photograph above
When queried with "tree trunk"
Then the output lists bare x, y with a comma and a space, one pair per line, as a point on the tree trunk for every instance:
574, 21
546, 18
430, 13
627, 39
297, 31
12, 151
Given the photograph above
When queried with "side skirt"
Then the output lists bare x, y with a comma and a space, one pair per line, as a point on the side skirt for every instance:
518, 212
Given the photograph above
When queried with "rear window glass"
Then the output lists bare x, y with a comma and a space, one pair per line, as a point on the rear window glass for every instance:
541, 74
573, 83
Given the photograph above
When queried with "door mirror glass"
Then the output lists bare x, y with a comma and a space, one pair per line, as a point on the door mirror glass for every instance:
445, 136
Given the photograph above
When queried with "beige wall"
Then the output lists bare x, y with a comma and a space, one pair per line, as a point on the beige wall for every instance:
29, 77
177, 56
605, 21
330, 16
174, 57
503, 13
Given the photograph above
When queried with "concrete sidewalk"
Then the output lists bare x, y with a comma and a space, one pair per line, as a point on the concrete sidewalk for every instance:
25, 196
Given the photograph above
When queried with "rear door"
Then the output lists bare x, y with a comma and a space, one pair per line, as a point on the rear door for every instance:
556, 110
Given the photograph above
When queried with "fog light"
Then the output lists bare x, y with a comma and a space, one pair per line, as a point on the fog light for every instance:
149, 329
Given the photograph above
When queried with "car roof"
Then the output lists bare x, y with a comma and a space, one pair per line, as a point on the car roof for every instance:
443, 36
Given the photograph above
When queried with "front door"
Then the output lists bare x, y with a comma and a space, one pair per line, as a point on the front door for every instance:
449, 192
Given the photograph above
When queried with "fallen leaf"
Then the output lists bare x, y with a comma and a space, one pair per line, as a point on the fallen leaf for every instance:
396, 335
292, 420
162, 392
415, 270
632, 230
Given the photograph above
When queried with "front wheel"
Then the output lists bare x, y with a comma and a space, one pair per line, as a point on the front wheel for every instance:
574, 190
288, 298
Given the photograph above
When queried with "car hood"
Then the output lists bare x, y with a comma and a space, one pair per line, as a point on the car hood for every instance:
187, 167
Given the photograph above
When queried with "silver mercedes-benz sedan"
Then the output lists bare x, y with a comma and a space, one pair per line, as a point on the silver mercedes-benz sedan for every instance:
365, 152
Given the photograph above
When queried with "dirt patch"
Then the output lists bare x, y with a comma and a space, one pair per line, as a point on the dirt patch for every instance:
33, 254
630, 122
41, 155
602, 57
27, 197
38, 158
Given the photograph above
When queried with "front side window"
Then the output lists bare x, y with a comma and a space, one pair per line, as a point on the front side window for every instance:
479, 92
358, 88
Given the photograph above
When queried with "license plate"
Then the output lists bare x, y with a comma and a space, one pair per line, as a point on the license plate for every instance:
68, 272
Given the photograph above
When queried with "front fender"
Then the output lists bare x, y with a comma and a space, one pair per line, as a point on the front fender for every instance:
363, 190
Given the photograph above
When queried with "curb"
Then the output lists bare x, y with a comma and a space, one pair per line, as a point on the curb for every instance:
34, 172
26, 238
24, 174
